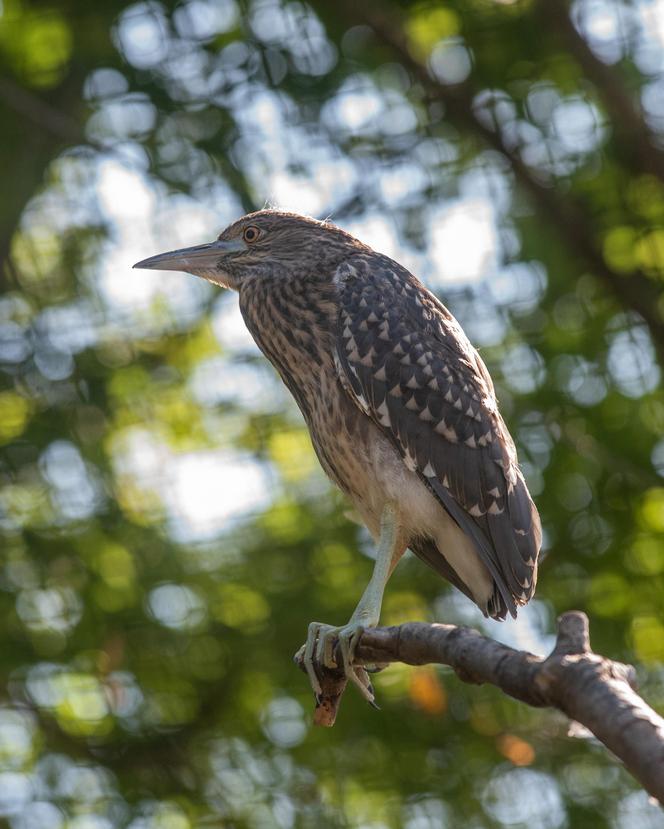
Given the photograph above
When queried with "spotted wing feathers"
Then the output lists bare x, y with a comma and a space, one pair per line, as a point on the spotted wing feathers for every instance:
407, 363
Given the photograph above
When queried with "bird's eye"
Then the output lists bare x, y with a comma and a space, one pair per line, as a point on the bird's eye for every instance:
251, 234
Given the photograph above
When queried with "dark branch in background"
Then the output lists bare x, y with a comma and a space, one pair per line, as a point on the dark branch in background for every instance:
627, 121
39, 129
564, 213
40, 112
590, 689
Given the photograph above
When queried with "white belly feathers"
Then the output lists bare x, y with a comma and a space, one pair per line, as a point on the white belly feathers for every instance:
421, 514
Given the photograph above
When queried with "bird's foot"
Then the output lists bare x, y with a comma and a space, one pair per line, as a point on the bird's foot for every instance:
324, 645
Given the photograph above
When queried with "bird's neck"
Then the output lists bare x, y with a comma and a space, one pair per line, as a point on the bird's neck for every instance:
293, 321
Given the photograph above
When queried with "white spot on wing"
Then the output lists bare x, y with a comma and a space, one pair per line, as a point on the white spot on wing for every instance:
363, 402
383, 415
368, 359
447, 432
412, 405
409, 461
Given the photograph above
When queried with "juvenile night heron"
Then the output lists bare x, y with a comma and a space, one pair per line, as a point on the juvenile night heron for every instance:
400, 407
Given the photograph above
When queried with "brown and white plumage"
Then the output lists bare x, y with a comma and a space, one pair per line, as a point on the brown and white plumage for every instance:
408, 365
400, 407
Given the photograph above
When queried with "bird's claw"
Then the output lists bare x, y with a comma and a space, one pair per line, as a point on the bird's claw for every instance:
319, 649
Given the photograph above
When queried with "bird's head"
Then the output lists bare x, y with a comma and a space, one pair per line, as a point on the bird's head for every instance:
266, 244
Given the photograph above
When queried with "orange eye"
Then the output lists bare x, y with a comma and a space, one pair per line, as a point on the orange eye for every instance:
251, 234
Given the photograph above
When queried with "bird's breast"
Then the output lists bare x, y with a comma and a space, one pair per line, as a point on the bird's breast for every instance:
294, 328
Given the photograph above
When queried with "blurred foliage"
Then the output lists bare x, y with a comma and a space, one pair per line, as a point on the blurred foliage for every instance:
166, 532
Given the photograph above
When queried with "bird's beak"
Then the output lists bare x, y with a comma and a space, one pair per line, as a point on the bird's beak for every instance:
199, 260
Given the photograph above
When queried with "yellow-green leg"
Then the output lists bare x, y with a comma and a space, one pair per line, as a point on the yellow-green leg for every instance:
322, 638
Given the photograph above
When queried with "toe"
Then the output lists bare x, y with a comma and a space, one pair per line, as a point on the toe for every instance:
348, 639
360, 679
308, 658
326, 645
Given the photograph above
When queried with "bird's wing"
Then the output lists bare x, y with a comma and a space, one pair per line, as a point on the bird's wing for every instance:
406, 363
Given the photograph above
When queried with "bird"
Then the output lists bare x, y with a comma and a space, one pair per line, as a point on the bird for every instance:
400, 407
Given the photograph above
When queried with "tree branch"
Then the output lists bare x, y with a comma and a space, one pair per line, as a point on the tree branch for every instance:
590, 689
626, 117
41, 113
566, 214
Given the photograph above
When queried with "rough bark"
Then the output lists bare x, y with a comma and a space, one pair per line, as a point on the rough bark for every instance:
590, 689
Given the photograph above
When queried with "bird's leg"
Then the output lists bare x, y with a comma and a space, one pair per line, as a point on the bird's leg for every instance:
321, 639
